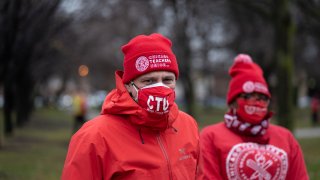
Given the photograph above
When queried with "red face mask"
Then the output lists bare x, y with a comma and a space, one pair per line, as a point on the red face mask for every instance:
156, 98
252, 111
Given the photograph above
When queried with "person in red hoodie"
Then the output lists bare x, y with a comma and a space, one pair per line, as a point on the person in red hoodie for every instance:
246, 145
140, 133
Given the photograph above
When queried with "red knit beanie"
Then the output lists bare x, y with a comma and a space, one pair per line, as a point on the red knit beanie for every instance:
246, 77
145, 54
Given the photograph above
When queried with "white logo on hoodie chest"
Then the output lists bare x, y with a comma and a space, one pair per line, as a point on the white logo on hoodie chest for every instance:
254, 161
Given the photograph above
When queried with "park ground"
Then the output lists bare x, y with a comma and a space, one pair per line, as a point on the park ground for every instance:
38, 150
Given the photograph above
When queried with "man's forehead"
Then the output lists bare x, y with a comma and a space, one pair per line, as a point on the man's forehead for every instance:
157, 74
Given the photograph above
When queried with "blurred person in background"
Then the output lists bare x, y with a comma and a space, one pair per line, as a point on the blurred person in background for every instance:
246, 145
315, 103
79, 107
141, 133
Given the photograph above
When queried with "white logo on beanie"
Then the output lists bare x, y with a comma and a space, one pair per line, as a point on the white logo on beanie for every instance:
159, 61
260, 87
142, 63
249, 87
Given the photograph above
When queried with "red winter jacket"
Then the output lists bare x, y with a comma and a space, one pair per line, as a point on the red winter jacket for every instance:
227, 155
123, 143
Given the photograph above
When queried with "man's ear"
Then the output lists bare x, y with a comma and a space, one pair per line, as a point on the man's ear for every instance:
128, 87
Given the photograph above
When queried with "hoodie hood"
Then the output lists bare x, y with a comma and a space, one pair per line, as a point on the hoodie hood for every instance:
119, 102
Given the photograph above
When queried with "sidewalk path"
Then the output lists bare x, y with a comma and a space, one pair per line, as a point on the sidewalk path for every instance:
307, 132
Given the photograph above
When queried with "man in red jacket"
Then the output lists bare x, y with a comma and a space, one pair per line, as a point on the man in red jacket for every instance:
140, 133
246, 145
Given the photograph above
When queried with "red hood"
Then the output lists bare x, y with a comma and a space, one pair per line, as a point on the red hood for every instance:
119, 102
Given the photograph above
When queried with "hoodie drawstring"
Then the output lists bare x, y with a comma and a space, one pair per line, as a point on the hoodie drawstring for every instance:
141, 138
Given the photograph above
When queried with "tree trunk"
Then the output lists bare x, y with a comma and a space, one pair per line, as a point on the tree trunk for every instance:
24, 100
184, 60
183, 53
10, 22
8, 107
1, 134
284, 35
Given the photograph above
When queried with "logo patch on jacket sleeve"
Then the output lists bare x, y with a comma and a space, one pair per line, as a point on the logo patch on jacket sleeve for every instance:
183, 154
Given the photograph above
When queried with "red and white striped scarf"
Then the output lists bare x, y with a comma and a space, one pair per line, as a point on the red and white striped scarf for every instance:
250, 132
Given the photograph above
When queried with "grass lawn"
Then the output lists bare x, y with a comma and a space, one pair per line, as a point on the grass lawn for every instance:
311, 152
37, 151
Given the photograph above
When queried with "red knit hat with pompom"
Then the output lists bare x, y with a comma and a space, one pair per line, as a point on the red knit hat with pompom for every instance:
145, 54
246, 77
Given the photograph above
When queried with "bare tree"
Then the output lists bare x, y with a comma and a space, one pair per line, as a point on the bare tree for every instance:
308, 22
22, 29
183, 12
284, 38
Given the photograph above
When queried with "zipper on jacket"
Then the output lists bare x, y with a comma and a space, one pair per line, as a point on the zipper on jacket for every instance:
165, 155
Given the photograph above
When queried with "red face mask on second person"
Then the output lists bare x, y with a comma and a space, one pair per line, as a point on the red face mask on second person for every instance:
251, 110
156, 98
